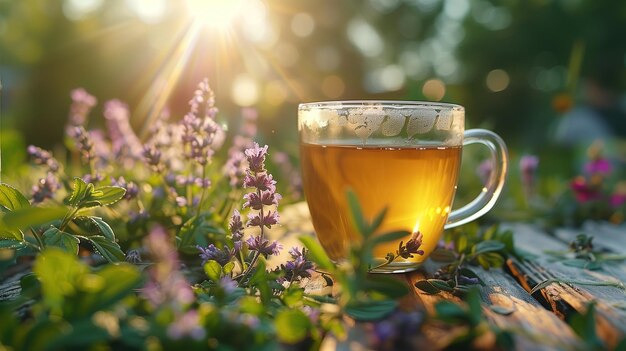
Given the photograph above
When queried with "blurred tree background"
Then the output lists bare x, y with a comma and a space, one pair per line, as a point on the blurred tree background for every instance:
516, 65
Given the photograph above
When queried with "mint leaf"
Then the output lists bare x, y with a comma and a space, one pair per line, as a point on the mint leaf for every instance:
317, 253
370, 309
63, 240
292, 326
107, 248
11, 198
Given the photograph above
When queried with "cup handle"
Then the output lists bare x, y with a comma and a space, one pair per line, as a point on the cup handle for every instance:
491, 191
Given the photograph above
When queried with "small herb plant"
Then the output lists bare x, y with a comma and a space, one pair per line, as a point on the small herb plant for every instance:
463, 248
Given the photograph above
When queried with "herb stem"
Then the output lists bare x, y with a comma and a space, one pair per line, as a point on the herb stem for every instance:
204, 189
38, 238
68, 217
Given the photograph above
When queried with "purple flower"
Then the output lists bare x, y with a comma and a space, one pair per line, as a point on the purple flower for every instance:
133, 256
599, 166
152, 156
221, 256
261, 181
484, 170
186, 325
618, 199
267, 220
299, 266
236, 226
583, 191
200, 133
412, 246
132, 189
166, 284
45, 188
528, 167
256, 158
234, 168
42, 157
228, 284
82, 142
123, 138
263, 246
256, 202
82, 103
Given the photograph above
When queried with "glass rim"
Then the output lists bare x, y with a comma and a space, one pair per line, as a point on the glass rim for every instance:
398, 104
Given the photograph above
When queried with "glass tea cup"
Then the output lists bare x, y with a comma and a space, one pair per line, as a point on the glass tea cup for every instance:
404, 156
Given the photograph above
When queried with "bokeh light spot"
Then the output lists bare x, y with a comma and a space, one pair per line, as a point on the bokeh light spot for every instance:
275, 93
244, 91
148, 11
333, 86
365, 37
302, 24
77, 9
434, 89
497, 80
216, 13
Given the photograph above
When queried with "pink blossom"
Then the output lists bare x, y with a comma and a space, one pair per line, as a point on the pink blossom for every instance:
583, 192
599, 166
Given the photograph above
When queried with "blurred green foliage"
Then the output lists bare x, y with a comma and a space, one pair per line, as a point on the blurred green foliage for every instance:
517, 66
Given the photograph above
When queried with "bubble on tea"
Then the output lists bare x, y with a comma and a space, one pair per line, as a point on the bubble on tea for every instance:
309, 118
421, 121
444, 122
325, 117
366, 120
393, 123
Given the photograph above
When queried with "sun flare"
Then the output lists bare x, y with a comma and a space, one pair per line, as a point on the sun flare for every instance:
218, 14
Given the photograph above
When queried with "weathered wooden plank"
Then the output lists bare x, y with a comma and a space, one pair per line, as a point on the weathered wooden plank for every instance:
533, 327
565, 298
605, 235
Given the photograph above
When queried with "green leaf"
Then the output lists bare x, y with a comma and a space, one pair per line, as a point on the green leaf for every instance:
426, 287
440, 284
108, 249
449, 311
461, 243
80, 191
33, 216
443, 255
107, 195
103, 227
293, 297
11, 198
584, 325
388, 286
119, 280
62, 240
228, 268
490, 260
292, 326
543, 284
59, 273
317, 253
378, 220
390, 237
487, 246
370, 309
470, 274
11, 234
213, 270
357, 214
503, 310
12, 244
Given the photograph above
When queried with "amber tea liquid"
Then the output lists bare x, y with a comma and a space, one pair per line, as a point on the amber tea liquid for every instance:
416, 184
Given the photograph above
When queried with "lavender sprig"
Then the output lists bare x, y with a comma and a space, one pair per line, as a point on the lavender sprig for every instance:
263, 196
406, 251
